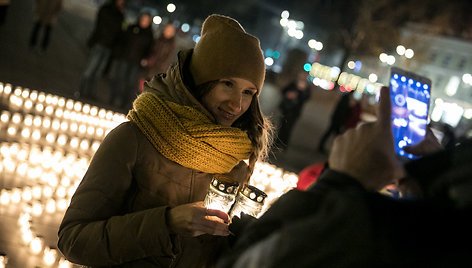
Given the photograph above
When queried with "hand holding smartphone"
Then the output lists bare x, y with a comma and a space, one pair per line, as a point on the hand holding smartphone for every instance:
410, 95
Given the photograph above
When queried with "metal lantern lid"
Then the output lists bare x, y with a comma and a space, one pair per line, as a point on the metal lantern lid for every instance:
253, 194
224, 184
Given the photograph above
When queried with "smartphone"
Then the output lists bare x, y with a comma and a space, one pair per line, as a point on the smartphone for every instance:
410, 95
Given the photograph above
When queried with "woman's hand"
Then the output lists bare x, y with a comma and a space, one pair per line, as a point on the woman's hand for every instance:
195, 219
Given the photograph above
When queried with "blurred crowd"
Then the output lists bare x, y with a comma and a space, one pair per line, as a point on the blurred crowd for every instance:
128, 53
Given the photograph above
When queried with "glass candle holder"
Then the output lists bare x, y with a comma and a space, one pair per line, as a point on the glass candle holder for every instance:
221, 193
249, 200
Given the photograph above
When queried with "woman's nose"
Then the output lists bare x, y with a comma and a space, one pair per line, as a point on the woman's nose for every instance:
235, 102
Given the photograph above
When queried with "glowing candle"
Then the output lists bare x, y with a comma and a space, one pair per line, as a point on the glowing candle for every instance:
25, 93
63, 263
51, 206
28, 105
82, 129
90, 130
50, 138
37, 122
250, 200
27, 194
86, 108
62, 140
61, 102
15, 196
36, 245
28, 121
39, 107
84, 145
49, 256
36, 134
95, 146
70, 104
64, 126
22, 169
56, 124
5, 117
74, 142
221, 193
34, 95
7, 89
78, 106
49, 110
37, 208
94, 111
26, 133
47, 122
4, 197
16, 118
102, 113
47, 191
37, 192
62, 204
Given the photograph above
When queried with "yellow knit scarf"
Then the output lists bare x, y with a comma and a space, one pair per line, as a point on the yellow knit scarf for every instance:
188, 137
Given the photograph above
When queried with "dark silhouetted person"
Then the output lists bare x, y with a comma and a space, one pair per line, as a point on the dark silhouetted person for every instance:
343, 221
134, 47
294, 97
104, 38
45, 15
346, 115
163, 52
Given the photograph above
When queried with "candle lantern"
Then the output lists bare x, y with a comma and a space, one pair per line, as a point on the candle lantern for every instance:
221, 193
249, 200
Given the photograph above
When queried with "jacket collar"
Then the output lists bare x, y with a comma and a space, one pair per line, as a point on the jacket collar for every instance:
171, 86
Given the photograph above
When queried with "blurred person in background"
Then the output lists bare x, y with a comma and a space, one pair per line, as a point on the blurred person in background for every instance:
45, 16
162, 53
140, 204
133, 47
294, 97
346, 115
104, 38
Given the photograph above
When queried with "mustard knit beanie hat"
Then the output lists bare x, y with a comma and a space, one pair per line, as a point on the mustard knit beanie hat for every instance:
226, 50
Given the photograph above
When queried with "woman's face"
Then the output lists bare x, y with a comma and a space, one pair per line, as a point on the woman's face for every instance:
229, 99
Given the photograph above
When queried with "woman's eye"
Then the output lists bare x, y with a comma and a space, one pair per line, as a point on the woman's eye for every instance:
228, 83
249, 92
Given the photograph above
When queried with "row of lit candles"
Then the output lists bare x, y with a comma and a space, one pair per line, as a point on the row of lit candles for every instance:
56, 125
21, 96
53, 139
107, 119
70, 122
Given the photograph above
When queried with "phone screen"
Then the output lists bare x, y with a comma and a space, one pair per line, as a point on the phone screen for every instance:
410, 95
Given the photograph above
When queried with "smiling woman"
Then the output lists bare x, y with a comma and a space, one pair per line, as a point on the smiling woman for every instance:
140, 202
